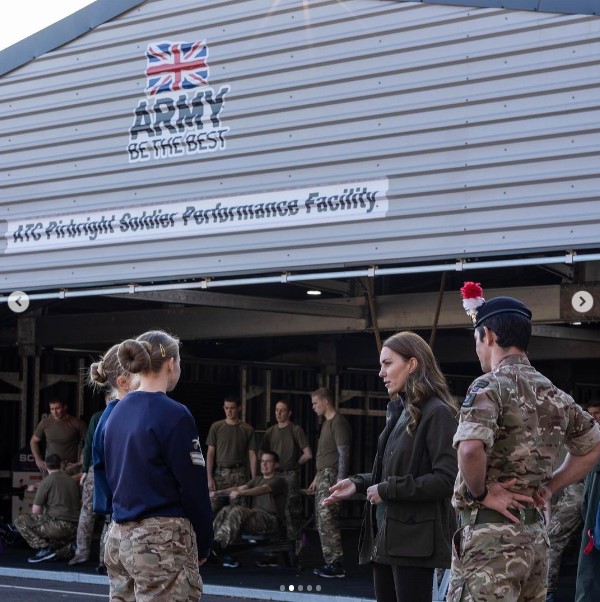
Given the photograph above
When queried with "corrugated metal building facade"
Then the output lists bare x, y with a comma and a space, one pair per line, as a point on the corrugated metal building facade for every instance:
325, 140
481, 122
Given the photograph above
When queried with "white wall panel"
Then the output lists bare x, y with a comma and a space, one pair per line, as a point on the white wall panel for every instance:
484, 120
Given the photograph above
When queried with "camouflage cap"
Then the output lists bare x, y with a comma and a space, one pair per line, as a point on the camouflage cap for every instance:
501, 305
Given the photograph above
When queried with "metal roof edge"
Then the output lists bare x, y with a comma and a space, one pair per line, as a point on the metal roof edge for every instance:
62, 32
101, 11
573, 7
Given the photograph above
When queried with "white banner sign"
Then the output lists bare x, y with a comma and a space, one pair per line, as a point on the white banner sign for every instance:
282, 209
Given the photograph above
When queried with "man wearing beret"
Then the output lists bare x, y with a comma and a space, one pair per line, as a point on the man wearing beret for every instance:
513, 424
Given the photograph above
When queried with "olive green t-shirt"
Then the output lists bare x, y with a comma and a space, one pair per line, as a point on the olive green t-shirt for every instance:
231, 442
62, 437
334, 433
274, 502
58, 494
287, 442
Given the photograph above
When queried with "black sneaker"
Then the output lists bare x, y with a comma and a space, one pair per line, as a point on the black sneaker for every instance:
213, 558
268, 560
330, 571
230, 562
47, 553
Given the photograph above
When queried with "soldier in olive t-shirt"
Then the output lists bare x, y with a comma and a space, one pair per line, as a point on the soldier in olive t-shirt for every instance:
53, 523
289, 441
334, 434
62, 434
231, 447
333, 460
58, 494
267, 513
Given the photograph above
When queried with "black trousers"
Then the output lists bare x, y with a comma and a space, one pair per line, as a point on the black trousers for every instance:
402, 583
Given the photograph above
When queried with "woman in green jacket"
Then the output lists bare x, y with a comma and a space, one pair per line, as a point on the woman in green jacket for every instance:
409, 520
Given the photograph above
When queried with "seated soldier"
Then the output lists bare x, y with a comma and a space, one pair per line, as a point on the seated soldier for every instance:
52, 525
267, 495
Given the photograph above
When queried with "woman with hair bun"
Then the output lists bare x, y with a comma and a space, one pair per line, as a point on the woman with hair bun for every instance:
100, 372
162, 522
409, 521
109, 377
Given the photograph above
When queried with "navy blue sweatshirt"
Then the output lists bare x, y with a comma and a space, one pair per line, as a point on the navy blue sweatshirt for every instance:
102, 493
154, 463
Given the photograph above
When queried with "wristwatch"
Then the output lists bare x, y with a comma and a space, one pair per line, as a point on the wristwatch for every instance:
478, 498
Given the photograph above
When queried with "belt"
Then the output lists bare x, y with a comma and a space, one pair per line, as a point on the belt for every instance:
238, 465
528, 516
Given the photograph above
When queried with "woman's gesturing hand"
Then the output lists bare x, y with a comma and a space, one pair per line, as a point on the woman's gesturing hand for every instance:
340, 491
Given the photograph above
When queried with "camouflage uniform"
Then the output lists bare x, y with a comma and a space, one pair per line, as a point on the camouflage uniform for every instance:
40, 531
231, 520
103, 538
226, 477
565, 523
326, 517
266, 515
523, 421
160, 553
289, 442
231, 444
293, 508
87, 518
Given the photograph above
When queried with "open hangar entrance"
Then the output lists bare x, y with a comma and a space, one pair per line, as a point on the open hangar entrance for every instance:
263, 342
375, 154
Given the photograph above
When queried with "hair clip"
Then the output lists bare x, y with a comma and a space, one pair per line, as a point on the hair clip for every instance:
162, 351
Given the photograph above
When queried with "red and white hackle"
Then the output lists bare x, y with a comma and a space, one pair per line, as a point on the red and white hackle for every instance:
472, 296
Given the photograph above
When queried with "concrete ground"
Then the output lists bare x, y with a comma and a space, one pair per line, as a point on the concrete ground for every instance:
22, 581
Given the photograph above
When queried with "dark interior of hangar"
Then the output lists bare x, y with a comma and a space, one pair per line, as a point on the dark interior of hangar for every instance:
263, 343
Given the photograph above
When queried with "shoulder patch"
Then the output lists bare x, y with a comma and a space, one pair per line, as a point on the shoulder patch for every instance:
197, 458
475, 387
468, 402
196, 455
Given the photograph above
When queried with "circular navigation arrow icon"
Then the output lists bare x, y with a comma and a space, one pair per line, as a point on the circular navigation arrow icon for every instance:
18, 302
582, 302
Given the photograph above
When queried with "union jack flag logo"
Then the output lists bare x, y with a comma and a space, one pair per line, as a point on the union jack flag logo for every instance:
175, 66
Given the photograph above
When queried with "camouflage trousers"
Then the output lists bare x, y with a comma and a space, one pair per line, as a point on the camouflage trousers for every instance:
87, 518
566, 522
497, 561
233, 520
154, 559
225, 478
293, 507
327, 517
40, 531
103, 538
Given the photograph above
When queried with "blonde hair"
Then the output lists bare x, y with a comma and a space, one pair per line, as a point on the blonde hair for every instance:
104, 373
148, 352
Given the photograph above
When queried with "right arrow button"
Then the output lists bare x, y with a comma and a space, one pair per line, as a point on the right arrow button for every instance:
582, 302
